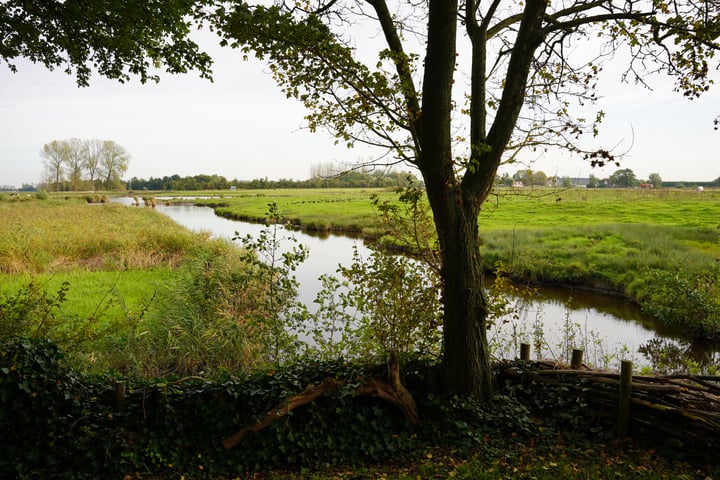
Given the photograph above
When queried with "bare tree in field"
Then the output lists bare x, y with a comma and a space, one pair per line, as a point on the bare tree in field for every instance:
113, 163
75, 162
323, 170
55, 159
92, 150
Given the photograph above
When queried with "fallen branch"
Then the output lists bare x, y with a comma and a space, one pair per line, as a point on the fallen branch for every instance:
393, 392
310, 394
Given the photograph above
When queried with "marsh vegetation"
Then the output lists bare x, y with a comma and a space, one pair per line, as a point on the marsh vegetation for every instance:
128, 291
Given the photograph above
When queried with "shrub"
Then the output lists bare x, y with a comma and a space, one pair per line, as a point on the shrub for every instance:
386, 306
201, 322
679, 300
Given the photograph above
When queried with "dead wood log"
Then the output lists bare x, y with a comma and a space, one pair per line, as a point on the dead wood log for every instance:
310, 394
393, 392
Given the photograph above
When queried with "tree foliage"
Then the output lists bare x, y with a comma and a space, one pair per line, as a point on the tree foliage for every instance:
624, 177
655, 180
116, 38
71, 162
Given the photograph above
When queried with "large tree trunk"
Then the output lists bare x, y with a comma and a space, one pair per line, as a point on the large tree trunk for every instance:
466, 359
456, 202
466, 363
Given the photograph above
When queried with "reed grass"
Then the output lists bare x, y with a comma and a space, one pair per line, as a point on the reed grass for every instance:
65, 235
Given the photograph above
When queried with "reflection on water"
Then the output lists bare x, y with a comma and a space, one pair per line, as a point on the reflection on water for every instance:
607, 327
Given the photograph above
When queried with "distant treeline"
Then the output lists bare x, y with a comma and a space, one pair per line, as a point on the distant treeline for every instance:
351, 179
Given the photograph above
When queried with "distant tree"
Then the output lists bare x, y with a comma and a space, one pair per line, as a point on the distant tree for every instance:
505, 180
525, 176
113, 164
624, 178
655, 180
55, 158
75, 162
567, 182
529, 177
540, 179
92, 151
323, 170
593, 181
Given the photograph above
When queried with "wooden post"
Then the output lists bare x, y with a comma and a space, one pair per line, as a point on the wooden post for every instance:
625, 392
577, 359
119, 395
525, 352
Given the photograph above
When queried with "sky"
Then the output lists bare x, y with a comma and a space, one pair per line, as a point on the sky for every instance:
242, 126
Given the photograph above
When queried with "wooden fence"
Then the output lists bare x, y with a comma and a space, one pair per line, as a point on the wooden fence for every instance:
684, 408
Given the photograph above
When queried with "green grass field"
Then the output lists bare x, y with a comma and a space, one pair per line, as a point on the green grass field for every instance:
580, 235
109, 254
347, 210
625, 240
109, 295
606, 236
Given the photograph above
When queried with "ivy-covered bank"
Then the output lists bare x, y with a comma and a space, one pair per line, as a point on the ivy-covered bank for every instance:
56, 423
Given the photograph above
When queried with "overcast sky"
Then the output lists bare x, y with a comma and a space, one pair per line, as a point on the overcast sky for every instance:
242, 126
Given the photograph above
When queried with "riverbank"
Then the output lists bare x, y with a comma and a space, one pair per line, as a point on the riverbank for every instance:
658, 248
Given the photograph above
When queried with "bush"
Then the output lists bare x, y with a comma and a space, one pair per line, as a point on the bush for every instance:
681, 301
200, 323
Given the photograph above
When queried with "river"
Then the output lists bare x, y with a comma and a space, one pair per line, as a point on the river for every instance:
607, 327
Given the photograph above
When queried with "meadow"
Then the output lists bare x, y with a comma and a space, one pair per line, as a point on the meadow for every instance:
346, 210
659, 248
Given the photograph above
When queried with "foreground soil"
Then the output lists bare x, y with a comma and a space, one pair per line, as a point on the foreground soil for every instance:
617, 460
510, 459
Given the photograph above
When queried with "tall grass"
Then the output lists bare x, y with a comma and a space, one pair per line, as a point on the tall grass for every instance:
127, 289
51, 236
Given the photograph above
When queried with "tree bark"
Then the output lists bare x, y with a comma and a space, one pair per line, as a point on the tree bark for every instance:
456, 204
466, 359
